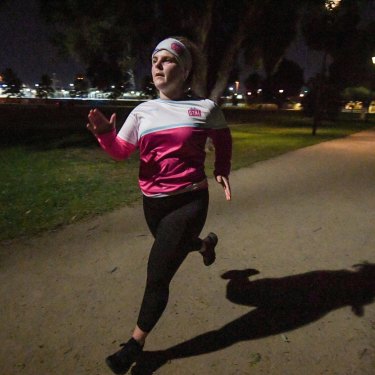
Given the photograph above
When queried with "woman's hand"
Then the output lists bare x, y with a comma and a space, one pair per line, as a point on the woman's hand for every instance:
99, 124
224, 182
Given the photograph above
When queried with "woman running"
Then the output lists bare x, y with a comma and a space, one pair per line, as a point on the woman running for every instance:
170, 133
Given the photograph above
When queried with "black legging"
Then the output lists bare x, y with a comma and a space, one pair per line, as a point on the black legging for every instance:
175, 222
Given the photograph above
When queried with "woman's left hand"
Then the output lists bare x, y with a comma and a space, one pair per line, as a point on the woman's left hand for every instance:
224, 182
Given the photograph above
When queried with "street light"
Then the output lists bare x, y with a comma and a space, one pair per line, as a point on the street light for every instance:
331, 4
237, 83
373, 59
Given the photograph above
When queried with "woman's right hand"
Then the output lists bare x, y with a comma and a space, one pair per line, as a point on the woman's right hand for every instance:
99, 124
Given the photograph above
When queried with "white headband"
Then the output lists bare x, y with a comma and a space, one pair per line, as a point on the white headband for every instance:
176, 48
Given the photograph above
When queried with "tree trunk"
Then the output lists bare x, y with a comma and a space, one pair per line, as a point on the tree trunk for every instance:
229, 56
318, 102
202, 41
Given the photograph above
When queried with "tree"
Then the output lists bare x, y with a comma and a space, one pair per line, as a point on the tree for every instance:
334, 28
106, 36
356, 94
328, 104
45, 89
12, 82
80, 88
253, 84
148, 87
352, 65
288, 77
110, 37
272, 31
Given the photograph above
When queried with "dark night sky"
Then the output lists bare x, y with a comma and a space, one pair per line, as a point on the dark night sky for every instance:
25, 47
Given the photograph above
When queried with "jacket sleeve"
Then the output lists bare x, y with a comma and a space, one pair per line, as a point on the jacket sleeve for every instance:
222, 141
115, 146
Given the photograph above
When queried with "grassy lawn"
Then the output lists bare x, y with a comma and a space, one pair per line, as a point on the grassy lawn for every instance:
54, 180
42, 190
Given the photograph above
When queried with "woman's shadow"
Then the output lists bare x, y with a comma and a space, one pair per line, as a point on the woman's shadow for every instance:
281, 304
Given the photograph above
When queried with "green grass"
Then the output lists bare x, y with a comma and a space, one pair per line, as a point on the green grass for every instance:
42, 190
280, 134
52, 182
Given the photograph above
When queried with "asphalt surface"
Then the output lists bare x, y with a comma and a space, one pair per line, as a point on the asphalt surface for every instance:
282, 298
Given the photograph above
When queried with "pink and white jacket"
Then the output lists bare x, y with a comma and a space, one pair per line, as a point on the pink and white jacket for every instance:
171, 137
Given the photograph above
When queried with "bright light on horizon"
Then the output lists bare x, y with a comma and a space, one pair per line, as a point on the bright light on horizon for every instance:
331, 4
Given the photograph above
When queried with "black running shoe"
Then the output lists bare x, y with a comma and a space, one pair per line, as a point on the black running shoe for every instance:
121, 361
209, 254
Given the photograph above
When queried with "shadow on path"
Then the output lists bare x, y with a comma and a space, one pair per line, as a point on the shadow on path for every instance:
282, 304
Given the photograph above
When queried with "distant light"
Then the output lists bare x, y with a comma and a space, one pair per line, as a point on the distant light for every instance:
331, 4
281, 91
71, 84
37, 85
301, 95
249, 93
112, 87
259, 91
231, 89
239, 96
373, 60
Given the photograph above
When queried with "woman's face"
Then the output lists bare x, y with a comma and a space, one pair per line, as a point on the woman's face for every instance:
168, 75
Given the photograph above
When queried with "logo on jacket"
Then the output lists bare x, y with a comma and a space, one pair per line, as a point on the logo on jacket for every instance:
195, 112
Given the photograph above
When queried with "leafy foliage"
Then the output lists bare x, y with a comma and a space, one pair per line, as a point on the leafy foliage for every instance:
289, 77
112, 37
105, 35
12, 82
45, 89
357, 93
340, 33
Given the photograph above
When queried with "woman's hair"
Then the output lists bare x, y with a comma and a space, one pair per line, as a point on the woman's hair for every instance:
196, 79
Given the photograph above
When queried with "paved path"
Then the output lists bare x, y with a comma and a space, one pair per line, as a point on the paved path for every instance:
298, 223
